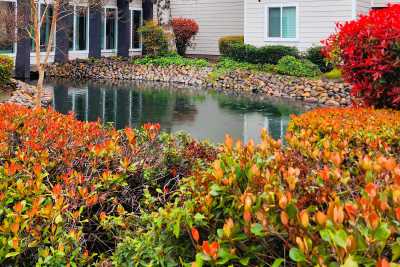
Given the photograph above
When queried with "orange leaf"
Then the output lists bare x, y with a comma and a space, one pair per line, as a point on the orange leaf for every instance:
18, 207
371, 190
304, 218
284, 218
397, 211
195, 234
383, 263
247, 216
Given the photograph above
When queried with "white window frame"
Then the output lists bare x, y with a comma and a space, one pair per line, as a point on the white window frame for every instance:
73, 49
131, 9
266, 23
16, 17
105, 50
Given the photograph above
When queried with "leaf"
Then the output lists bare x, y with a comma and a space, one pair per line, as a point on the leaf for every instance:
325, 235
297, 255
199, 217
199, 260
277, 262
291, 211
349, 262
396, 250
340, 238
382, 232
257, 229
244, 261
12, 254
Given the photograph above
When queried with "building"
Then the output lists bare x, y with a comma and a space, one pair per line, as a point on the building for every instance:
113, 31
215, 18
300, 23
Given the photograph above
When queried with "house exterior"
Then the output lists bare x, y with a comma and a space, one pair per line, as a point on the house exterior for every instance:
215, 19
300, 23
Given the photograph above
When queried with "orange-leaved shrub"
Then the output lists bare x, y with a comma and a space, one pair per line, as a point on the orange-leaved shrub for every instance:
69, 189
333, 202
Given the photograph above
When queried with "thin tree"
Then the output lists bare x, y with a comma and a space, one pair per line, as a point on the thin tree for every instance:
164, 19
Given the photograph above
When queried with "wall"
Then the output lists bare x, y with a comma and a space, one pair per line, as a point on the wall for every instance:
316, 20
215, 18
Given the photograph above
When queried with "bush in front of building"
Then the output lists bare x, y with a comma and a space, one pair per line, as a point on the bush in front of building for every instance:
171, 59
154, 40
316, 56
269, 54
184, 30
6, 67
226, 42
289, 65
368, 52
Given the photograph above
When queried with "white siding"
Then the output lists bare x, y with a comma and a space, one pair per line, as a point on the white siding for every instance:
215, 19
317, 20
381, 3
363, 6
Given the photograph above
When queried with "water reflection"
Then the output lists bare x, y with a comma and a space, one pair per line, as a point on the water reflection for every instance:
205, 115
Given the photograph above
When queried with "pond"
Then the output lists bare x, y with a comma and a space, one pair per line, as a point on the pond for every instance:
206, 115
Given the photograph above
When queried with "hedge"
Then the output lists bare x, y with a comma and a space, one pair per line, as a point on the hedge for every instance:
269, 54
226, 42
6, 68
331, 198
69, 190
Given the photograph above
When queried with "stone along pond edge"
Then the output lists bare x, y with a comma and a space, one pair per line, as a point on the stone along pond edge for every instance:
259, 85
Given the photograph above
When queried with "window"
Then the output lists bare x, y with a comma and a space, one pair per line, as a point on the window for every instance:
81, 28
136, 22
109, 22
281, 22
7, 27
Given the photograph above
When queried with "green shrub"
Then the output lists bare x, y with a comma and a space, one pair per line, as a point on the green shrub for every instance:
314, 54
226, 65
171, 59
292, 66
333, 74
226, 42
154, 40
268, 205
269, 54
6, 67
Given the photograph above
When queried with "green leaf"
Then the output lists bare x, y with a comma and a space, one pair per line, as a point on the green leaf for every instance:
349, 262
215, 189
340, 238
12, 254
199, 217
277, 262
177, 226
382, 232
297, 255
396, 250
244, 261
257, 229
325, 235
292, 211
199, 260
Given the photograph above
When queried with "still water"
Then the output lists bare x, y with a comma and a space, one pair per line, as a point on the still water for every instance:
206, 115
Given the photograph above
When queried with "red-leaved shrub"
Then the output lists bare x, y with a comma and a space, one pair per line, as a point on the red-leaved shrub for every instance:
368, 52
184, 30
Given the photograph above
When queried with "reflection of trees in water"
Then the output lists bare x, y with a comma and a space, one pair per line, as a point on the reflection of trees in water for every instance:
124, 104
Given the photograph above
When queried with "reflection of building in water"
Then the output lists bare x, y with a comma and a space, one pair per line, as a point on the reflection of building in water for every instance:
205, 117
275, 125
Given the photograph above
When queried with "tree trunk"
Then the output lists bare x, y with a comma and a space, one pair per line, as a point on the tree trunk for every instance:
95, 32
23, 56
164, 19
123, 28
64, 26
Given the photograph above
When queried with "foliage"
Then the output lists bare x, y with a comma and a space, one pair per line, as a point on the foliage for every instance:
226, 65
6, 67
368, 52
316, 56
269, 54
292, 66
225, 43
263, 205
154, 40
69, 190
333, 74
184, 31
171, 59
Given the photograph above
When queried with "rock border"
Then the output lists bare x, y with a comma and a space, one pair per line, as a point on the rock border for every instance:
315, 92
